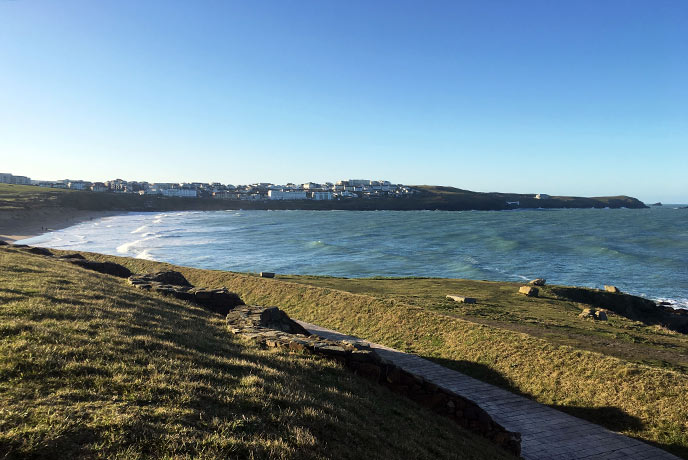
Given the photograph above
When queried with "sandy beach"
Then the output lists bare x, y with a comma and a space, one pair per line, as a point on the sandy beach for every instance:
21, 224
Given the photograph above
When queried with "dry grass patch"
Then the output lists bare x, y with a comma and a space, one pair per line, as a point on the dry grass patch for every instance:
90, 367
646, 402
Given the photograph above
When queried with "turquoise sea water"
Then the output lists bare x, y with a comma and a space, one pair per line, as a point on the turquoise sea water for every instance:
644, 252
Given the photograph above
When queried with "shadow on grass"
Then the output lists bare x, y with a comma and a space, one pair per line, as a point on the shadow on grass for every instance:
478, 371
612, 418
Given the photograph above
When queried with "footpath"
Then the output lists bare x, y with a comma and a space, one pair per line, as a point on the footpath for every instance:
546, 433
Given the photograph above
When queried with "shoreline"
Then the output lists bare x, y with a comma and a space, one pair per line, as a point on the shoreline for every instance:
28, 223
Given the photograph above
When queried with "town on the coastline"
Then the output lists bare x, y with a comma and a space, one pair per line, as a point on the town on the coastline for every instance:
343, 189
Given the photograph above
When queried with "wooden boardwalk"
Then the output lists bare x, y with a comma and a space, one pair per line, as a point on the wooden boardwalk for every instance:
546, 433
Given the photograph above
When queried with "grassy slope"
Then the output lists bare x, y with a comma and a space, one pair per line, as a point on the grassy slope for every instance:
15, 197
90, 367
647, 402
547, 317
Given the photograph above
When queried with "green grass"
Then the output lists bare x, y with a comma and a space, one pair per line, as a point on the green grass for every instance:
608, 384
91, 367
15, 197
548, 316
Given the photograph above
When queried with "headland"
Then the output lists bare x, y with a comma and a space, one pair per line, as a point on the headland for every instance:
30, 210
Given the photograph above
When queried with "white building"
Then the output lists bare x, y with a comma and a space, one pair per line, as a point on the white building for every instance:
286, 195
179, 192
79, 185
321, 196
311, 186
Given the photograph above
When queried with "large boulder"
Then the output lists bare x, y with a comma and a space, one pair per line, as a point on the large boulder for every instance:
170, 277
274, 318
613, 289
217, 300
538, 282
108, 268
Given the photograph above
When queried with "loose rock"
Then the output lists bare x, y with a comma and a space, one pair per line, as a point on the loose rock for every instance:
529, 291
611, 289
461, 299
588, 313
538, 282
267, 275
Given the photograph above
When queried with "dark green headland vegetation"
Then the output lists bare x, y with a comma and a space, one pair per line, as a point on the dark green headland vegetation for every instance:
91, 367
627, 375
17, 197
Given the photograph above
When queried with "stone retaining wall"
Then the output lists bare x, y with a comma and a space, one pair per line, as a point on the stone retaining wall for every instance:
272, 328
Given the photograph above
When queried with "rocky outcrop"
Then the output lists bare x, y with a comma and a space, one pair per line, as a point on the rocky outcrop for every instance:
38, 251
538, 282
267, 275
613, 289
108, 268
629, 306
270, 327
218, 300
245, 317
170, 277
176, 285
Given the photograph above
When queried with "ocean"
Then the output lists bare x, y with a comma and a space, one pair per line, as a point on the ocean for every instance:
643, 252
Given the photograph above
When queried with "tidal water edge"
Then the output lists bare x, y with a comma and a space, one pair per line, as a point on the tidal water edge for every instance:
643, 252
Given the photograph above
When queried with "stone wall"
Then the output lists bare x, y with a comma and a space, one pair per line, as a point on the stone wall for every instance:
272, 328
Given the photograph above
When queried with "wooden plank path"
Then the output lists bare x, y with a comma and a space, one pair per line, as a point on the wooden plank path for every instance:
546, 433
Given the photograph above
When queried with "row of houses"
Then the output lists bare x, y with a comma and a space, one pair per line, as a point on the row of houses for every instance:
345, 189
6, 178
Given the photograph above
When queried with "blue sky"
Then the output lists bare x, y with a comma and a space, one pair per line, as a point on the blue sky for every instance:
585, 97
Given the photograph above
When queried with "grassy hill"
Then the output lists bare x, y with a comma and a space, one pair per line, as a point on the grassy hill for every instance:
15, 197
625, 375
91, 367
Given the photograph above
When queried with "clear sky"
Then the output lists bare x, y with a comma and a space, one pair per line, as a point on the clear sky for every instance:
560, 97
